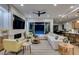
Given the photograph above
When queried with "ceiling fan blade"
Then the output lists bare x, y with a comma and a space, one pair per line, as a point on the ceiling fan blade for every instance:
39, 13
43, 13
35, 13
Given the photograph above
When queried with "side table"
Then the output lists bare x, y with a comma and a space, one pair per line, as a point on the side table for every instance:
26, 45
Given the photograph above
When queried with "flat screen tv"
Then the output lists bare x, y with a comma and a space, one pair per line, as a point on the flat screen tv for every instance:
18, 23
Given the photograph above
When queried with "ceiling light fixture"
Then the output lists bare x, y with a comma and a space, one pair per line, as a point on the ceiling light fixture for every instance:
71, 7
22, 5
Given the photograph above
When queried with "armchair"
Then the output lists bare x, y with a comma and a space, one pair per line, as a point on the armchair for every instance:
12, 45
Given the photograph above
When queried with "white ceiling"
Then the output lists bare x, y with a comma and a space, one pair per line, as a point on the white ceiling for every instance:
51, 11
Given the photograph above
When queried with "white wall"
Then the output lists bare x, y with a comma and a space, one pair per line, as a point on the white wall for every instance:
51, 25
13, 32
6, 21
17, 12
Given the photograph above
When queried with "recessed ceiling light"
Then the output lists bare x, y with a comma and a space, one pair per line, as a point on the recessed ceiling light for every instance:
22, 5
55, 4
71, 7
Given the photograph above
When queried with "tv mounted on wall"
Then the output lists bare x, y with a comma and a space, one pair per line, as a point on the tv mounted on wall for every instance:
18, 23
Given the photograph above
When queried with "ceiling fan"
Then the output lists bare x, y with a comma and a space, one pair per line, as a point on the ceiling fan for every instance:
39, 13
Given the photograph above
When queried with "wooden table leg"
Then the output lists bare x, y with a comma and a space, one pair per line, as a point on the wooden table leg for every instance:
30, 48
73, 51
23, 49
5, 52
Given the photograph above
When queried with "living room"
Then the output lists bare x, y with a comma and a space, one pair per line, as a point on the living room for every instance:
37, 29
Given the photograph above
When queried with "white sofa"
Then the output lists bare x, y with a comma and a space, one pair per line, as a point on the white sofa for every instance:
54, 40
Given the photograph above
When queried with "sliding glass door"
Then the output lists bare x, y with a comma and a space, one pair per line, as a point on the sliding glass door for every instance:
39, 27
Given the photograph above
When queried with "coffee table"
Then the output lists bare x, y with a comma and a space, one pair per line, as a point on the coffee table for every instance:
36, 40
